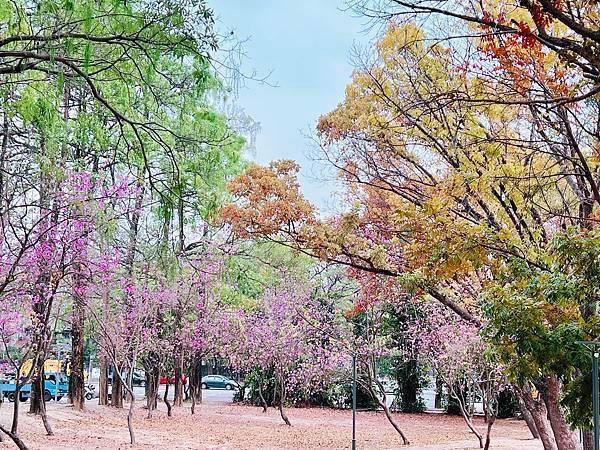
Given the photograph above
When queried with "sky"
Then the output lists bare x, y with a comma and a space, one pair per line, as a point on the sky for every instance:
305, 46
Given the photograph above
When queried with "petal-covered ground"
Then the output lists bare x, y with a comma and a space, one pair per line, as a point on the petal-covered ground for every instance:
225, 426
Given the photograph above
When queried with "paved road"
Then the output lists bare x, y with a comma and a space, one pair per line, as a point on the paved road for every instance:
208, 395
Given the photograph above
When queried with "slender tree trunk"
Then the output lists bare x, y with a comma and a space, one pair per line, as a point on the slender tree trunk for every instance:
44, 415
129, 382
152, 378
15, 420
383, 405
76, 380
465, 412
103, 381
166, 399
488, 433
282, 402
263, 402
130, 416
15, 438
438, 392
3, 159
195, 383
37, 400
37, 387
43, 304
528, 417
117, 375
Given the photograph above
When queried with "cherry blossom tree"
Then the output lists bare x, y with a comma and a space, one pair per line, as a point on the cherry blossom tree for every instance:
460, 356
291, 334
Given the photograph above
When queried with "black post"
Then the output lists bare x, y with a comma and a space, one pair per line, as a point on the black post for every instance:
354, 402
593, 347
595, 399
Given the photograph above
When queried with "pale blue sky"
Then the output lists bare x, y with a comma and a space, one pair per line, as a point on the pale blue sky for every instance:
307, 46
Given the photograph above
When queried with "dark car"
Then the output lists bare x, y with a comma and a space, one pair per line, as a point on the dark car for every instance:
218, 382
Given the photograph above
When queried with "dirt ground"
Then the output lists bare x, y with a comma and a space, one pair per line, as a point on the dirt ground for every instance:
226, 426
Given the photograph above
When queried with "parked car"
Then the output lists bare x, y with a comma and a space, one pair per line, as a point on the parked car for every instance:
163, 379
218, 382
138, 378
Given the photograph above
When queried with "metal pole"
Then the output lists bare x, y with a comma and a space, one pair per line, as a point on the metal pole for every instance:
595, 399
354, 402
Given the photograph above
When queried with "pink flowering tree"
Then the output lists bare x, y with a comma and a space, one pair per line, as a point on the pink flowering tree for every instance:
369, 344
38, 257
290, 334
461, 358
133, 330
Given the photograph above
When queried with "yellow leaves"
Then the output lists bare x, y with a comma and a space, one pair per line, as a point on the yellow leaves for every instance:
505, 235
434, 206
398, 38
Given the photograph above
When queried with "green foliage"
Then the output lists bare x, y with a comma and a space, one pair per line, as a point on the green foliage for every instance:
508, 404
410, 378
536, 317
256, 267
403, 366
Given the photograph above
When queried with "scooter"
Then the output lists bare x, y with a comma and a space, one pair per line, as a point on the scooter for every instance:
90, 391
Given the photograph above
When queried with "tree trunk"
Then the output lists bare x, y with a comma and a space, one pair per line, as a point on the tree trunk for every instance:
383, 405
128, 384
439, 393
118, 376
537, 408
130, 415
152, 379
103, 381
130, 420
116, 399
178, 397
37, 387
528, 417
166, 399
263, 402
195, 383
465, 411
563, 435
488, 433
15, 420
44, 415
282, 402
3, 158
15, 437
76, 380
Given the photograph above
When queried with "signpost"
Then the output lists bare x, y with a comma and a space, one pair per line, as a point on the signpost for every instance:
594, 347
354, 402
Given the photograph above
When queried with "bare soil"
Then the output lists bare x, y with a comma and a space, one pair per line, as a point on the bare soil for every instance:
227, 426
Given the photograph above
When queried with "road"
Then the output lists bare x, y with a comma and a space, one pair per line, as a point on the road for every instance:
216, 396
